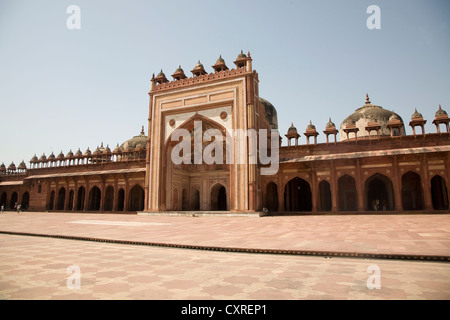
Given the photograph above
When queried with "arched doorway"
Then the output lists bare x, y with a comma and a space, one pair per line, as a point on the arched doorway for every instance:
109, 198
218, 198
348, 200
136, 198
379, 193
184, 158
271, 201
52, 200
324, 196
412, 196
439, 193
80, 198
25, 200
3, 199
120, 200
297, 195
61, 199
95, 196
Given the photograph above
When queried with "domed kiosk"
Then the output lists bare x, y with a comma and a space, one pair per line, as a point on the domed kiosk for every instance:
371, 117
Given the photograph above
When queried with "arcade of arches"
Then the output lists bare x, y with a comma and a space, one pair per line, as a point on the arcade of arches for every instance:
96, 199
376, 193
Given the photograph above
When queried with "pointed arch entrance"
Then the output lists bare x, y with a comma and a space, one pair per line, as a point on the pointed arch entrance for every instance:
3, 199
347, 195
80, 198
218, 198
25, 200
109, 198
95, 196
297, 195
324, 196
271, 199
412, 195
51, 202
136, 198
61, 199
439, 193
379, 193
200, 151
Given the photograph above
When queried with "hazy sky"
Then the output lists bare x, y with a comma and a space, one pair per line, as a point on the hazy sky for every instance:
64, 89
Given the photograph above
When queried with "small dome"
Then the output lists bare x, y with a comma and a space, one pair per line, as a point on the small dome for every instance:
3, 167
292, 128
199, 65
34, 159
12, 167
43, 157
161, 78
179, 74
441, 113
161, 74
22, 166
330, 124
416, 115
61, 155
220, 65
310, 126
52, 156
78, 153
198, 69
220, 60
69, 154
242, 55
395, 117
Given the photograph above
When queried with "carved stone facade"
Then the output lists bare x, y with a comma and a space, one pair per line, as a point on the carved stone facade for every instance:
374, 167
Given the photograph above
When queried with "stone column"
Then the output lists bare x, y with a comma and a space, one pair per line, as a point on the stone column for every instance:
397, 181
314, 189
426, 184
334, 187
359, 186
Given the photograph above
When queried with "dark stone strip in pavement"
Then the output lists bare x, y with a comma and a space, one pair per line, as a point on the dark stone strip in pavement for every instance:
335, 254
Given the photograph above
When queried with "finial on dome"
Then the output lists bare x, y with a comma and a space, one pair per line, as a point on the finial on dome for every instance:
142, 130
367, 99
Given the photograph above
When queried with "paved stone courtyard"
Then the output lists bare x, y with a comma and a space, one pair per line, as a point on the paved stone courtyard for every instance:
40, 267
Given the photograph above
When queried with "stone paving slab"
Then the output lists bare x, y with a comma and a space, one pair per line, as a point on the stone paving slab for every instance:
42, 268
427, 235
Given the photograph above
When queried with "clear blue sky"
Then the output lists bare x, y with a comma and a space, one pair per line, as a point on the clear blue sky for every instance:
64, 89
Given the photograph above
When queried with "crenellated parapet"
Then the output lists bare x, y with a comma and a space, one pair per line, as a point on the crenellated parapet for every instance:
221, 71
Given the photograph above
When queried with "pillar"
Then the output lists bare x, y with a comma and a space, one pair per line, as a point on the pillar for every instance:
359, 186
426, 184
334, 187
397, 184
